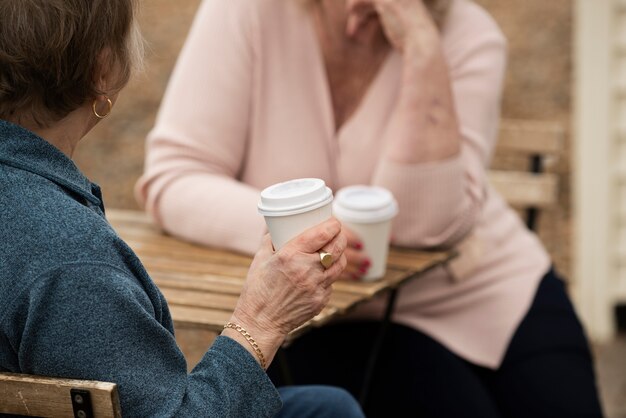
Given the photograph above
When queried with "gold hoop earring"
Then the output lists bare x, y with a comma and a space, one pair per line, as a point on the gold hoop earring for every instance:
95, 112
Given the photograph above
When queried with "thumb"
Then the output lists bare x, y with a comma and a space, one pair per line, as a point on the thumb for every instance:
265, 251
266, 245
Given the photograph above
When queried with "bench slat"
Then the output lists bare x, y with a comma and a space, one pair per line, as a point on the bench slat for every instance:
523, 190
31, 395
531, 137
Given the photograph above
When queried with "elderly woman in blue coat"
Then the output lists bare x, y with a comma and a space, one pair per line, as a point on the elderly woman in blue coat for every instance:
74, 299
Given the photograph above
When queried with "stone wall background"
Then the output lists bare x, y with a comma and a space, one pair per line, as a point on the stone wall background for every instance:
538, 86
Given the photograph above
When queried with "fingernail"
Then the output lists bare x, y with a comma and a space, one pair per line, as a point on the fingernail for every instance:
363, 269
366, 263
358, 246
355, 276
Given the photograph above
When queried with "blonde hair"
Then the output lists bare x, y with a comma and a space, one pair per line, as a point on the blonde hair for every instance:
50, 52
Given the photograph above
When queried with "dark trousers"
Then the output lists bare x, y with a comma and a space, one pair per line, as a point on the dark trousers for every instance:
547, 370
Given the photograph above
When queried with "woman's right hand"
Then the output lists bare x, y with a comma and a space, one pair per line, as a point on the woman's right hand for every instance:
288, 287
358, 261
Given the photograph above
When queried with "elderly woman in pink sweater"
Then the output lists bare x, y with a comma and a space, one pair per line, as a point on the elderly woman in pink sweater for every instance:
402, 94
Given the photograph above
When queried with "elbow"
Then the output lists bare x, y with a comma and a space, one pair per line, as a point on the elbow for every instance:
148, 192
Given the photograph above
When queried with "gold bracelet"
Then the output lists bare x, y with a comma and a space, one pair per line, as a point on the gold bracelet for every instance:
250, 340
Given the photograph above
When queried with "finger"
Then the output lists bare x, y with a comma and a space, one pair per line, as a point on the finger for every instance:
333, 273
335, 248
358, 265
357, 258
357, 6
352, 25
359, 12
315, 238
354, 241
346, 277
353, 274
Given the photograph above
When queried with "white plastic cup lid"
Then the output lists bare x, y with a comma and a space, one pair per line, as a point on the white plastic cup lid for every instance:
294, 196
364, 204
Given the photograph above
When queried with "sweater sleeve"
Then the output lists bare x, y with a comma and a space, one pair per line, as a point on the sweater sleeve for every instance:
196, 150
96, 322
441, 201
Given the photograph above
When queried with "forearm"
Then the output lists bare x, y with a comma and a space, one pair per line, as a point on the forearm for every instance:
424, 127
211, 210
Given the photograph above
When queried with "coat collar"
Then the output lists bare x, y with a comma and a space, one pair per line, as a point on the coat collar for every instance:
24, 150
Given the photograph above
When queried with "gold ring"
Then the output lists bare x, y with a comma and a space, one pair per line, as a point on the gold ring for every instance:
326, 259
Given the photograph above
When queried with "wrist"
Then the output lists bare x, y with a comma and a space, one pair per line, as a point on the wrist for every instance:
256, 349
422, 48
254, 337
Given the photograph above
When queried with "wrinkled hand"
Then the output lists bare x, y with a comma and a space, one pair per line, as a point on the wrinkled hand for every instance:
407, 23
289, 287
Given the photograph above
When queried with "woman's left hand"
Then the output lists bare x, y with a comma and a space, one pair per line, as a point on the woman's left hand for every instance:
407, 23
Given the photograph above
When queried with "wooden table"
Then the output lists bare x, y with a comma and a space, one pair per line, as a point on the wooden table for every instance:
202, 284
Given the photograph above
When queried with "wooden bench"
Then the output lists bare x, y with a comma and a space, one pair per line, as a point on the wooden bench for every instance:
37, 396
532, 189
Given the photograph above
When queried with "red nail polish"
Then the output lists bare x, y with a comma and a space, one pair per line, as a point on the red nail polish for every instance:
363, 269
366, 263
358, 246
355, 276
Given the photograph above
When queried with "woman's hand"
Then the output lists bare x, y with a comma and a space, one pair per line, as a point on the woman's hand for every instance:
424, 126
358, 262
287, 288
407, 23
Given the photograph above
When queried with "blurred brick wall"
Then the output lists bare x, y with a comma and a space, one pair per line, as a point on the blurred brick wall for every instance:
537, 87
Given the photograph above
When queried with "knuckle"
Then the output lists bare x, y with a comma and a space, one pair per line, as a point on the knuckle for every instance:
285, 256
325, 235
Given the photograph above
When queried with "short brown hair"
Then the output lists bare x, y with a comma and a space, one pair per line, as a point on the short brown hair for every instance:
49, 52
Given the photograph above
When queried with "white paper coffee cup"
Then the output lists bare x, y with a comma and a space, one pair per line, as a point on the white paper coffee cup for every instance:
368, 211
293, 206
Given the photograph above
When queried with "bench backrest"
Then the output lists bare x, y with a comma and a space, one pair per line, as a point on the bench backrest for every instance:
39, 396
532, 189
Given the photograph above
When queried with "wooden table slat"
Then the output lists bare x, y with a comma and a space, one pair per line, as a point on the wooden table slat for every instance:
190, 298
199, 282
165, 264
151, 245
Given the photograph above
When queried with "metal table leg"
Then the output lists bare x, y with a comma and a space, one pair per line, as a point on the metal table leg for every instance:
380, 338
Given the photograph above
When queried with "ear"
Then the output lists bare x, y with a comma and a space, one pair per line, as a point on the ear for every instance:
105, 72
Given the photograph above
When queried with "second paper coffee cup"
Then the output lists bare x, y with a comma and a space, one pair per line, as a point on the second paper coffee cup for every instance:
293, 206
368, 212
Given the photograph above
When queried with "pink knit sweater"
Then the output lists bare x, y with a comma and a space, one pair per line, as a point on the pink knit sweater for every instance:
248, 105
